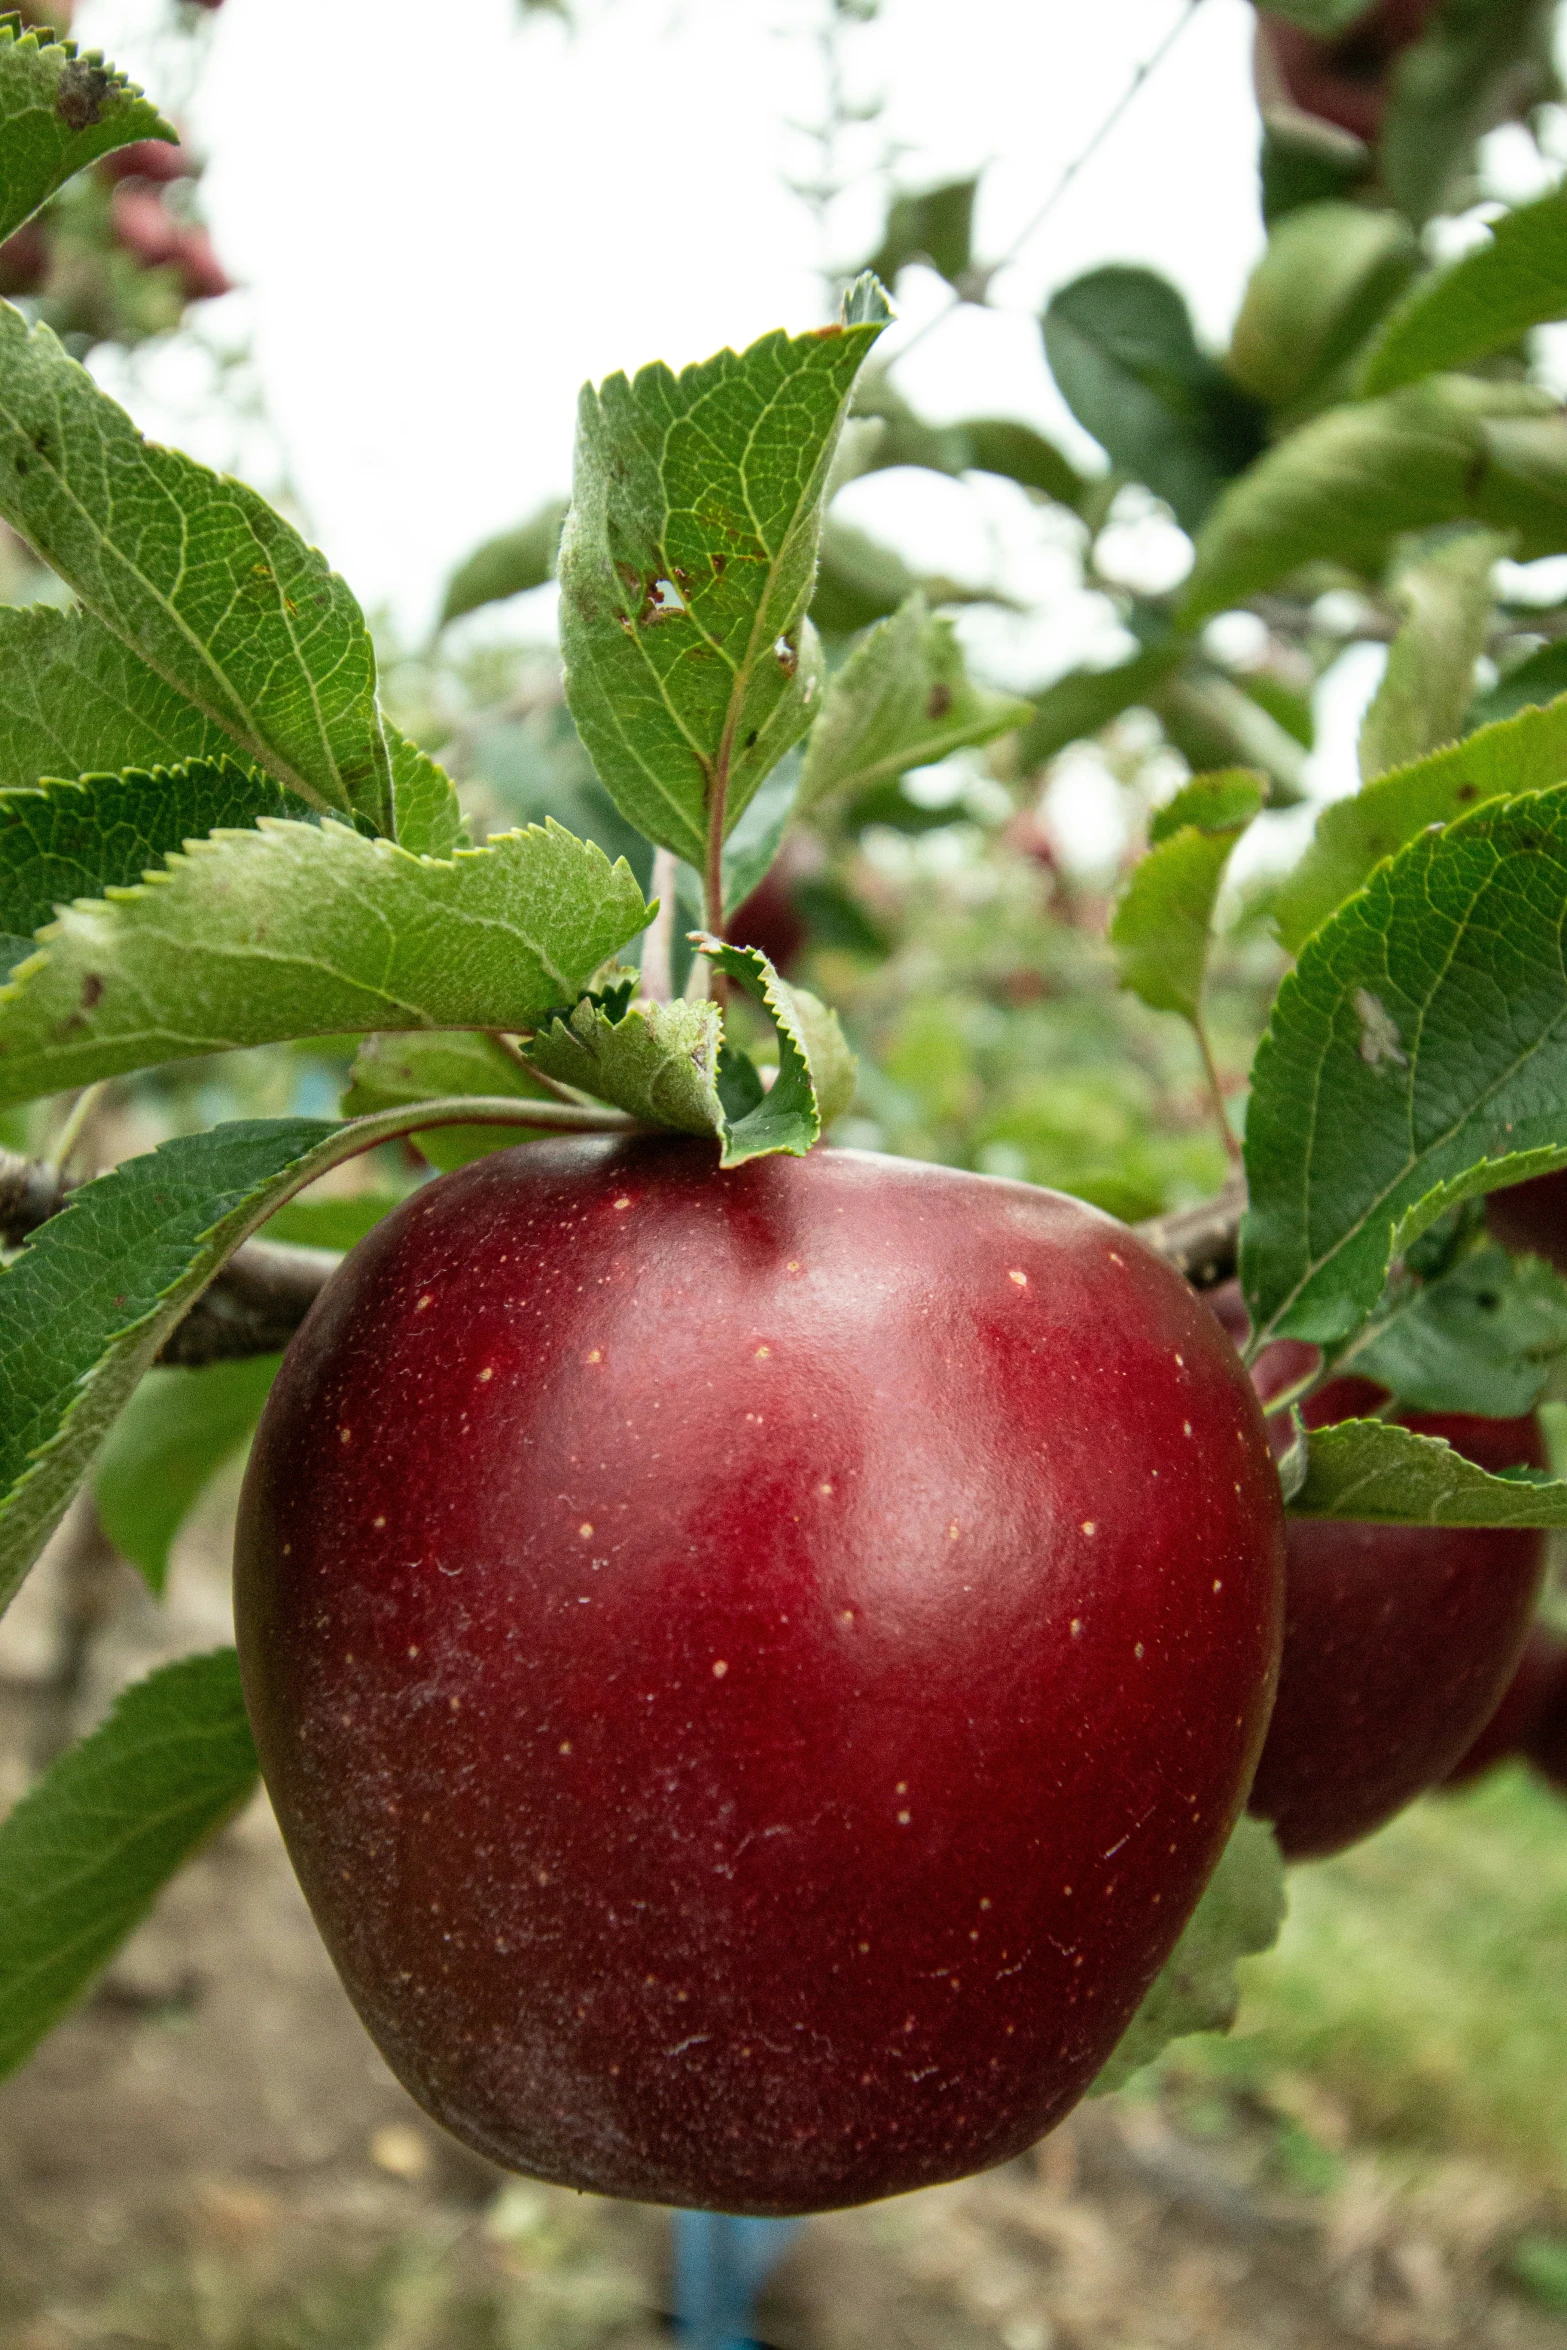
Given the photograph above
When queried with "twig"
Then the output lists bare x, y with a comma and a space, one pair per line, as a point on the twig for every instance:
658, 983
1200, 1242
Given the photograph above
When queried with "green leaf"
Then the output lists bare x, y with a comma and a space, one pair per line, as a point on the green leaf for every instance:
1481, 1337
902, 699
658, 1061
1350, 481
75, 840
669, 1063
509, 565
1486, 300
173, 1436
999, 444
86, 1306
1428, 684
1353, 835
1329, 273
755, 841
1121, 348
1083, 703
1324, 18
75, 701
1161, 927
398, 1071
1238, 1917
858, 580
59, 111
1416, 1056
1537, 679
310, 930
197, 575
85, 1853
980, 444
424, 798
1377, 1473
1477, 63
687, 569
934, 225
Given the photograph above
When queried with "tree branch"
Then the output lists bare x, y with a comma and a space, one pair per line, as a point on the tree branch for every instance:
1200, 1242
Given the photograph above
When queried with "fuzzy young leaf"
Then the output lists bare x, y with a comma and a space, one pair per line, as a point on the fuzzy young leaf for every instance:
1481, 1337
76, 840
170, 1441
1346, 484
660, 1062
297, 930
902, 699
1352, 837
686, 571
1495, 293
509, 565
1416, 1056
394, 1071
1428, 684
1329, 273
197, 575
1121, 348
1161, 927
85, 1853
1238, 1917
1377, 1473
60, 109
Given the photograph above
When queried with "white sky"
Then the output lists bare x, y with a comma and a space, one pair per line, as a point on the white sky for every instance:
444, 222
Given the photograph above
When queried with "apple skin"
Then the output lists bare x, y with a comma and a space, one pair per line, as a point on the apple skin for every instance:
1523, 1711
1346, 81
1399, 1641
754, 1670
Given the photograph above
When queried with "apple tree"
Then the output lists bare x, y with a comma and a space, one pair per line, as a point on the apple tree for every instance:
761, 1651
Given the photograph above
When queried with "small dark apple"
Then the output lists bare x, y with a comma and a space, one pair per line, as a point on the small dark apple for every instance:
24, 259
1531, 1218
147, 159
1545, 1741
1398, 1640
1522, 1713
1346, 81
754, 1669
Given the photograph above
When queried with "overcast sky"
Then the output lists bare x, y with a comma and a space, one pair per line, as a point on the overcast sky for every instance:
445, 221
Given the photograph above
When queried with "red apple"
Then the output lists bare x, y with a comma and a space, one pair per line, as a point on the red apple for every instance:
1522, 1713
1545, 1740
24, 259
770, 919
754, 1669
1398, 1640
1346, 81
1531, 1218
148, 159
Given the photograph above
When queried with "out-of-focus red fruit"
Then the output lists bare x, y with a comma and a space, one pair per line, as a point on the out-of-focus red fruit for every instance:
770, 919
1545, 1742
1398, 1640
1531, 1218
24, 259
148, 159
1346, 81
201, 272
754, 1669
143, 225
1522, 1711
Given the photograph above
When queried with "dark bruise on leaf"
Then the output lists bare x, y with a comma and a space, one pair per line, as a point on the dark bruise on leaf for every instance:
1416, 1057
197, 574
687, 567
59, 111
86, 1851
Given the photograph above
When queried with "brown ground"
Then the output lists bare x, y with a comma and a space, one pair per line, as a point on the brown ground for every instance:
211, 2156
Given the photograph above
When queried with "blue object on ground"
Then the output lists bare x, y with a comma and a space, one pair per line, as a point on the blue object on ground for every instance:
721, 2265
